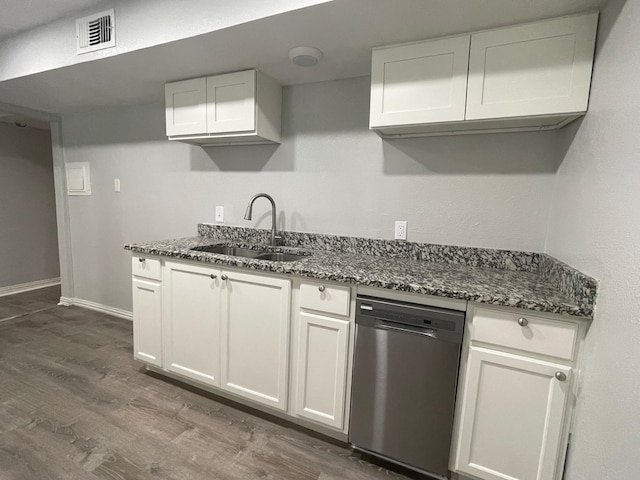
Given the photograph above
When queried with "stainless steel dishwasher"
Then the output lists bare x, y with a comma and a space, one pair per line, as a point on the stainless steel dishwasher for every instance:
404, 382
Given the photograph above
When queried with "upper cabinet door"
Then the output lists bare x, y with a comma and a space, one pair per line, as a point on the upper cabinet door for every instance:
420, 82
231, 102
541, 68
185, 103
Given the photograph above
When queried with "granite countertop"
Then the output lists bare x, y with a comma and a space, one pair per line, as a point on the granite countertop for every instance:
453, 279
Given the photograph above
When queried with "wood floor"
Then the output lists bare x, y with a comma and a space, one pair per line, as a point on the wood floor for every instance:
13, 306
74, 405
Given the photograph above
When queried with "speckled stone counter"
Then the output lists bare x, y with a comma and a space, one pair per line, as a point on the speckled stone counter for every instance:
524, 280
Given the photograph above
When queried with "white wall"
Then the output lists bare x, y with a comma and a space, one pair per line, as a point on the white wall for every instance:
329, 175
595, 226
28, 235
138, 25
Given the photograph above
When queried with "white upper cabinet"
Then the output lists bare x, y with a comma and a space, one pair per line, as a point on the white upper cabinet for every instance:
186, 107
231, 102
526, 77
239, 108
420, 82
542, 68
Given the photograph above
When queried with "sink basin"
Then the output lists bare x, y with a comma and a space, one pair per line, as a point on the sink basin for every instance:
250, 253
226, 250
280, 257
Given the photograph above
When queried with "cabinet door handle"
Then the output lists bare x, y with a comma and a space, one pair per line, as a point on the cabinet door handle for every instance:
142, 259
321, 288
561, 376
213, 276
523, 322
224, 277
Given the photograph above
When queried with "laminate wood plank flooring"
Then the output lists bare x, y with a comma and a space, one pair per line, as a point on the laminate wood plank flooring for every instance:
16, 305
75, 405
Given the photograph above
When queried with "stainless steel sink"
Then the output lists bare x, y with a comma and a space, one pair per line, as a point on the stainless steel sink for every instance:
227, 250
250, 253
280, 257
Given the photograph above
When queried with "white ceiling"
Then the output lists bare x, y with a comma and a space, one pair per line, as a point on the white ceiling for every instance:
20, 121
20, 15
345, 30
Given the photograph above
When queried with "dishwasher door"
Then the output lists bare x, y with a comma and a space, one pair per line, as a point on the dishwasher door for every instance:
404, 382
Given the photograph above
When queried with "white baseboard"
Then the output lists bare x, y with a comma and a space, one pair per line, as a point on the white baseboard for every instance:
26, 287
98, 307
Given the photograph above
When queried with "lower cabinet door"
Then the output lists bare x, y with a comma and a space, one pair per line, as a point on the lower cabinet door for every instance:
192, 326
147, 322
512, 420
255, 337
323, 344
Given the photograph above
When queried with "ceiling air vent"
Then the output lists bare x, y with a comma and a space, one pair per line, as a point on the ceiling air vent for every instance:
96, 31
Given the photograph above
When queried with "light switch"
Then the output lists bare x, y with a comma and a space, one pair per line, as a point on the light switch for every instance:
219, 214
116, 184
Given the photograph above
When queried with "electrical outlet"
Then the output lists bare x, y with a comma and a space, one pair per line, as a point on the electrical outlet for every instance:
116, 184
219, 214
400, 230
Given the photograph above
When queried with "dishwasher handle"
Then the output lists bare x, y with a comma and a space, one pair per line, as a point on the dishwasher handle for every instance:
393, 316
424, 332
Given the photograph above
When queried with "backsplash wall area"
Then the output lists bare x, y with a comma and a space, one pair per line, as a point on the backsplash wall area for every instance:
330, 175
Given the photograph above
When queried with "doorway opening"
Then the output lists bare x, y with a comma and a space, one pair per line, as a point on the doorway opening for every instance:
29, 250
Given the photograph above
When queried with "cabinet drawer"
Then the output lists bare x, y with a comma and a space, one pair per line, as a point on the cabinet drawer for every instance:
325, 298
540, 335
144, 266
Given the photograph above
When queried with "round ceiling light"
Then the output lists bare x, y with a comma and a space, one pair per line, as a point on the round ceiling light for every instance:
305, 56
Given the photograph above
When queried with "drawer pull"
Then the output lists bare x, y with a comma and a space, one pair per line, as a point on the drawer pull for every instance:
321, 288
142, 259
523, 322
561, 376
224, 277
213, 276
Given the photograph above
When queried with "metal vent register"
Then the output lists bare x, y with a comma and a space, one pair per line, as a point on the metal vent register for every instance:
96, 31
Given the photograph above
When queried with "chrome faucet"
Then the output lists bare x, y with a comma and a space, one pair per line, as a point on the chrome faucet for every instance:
247, 215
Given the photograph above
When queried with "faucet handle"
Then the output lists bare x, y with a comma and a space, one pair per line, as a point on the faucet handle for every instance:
277, 240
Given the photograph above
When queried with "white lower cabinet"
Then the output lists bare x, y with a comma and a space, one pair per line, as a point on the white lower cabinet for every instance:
512, 416
323, 346
147, 321
255, 337
223, 328
192, 321
232, 330
517, 390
